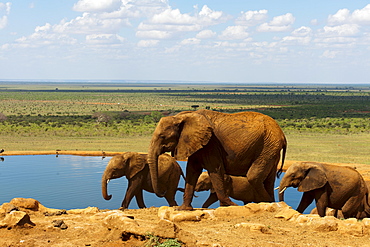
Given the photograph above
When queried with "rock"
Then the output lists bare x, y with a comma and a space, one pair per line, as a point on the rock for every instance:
233, 211
55, 212
306, 218
351, 227
287, 214
366, 222
324, 224
88, 210
26, 203
118, 220
16, 218
273, 207
254, 227
60, 224
165, 229
6, 208
169, 213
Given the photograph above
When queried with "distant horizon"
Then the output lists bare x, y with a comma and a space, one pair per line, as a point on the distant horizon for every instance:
179, 82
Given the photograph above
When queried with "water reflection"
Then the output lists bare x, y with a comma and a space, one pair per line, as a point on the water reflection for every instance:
68, 182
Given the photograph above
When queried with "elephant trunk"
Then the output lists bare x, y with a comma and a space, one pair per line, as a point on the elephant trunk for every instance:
153, 156
104, 188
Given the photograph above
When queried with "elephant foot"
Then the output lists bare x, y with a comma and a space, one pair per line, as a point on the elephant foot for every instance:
184, 208
228, 203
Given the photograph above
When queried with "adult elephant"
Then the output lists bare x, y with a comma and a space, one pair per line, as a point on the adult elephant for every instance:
241, 144
337, 187
135, 167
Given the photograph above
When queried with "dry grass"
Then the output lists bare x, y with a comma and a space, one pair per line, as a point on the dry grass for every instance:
134, 143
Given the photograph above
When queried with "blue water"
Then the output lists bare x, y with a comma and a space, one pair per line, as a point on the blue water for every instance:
68, 182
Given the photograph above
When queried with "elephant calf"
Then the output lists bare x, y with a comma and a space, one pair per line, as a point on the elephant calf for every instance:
337, 187
237, 188
135, 167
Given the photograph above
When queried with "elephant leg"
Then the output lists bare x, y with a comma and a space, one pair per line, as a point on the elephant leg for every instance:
353, 207
257, 175
306, 200
321, 199
193, 172
133, 188
170, 197
269, 182
219, 187
210, 200
140, 199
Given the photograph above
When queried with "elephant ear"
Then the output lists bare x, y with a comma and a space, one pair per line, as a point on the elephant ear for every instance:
135, 163
314, 179
195, 133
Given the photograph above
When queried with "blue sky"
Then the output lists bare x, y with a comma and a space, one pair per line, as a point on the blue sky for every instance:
211, 40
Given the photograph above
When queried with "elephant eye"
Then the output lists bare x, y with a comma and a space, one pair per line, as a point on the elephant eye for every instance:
162, 137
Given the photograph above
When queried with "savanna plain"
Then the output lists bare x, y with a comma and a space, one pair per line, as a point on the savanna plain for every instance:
324, 123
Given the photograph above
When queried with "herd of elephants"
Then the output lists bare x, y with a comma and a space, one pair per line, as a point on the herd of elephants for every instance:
240, 153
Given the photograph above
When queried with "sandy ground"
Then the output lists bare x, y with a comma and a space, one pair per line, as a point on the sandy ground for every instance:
89, 230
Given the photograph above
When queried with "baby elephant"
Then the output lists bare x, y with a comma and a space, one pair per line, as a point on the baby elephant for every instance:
135, 167
237, 188
337, 187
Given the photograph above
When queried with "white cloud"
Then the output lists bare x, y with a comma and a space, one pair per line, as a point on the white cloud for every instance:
344, 16
234, 32
3, 21
190, 41
171, 23
5, 7
342, 30
4, 12
40, 38
302, 31
329, 54
302, 35
97, 5
154, 34
102, 39
205, 34
280, 23
362, 16
314, 22
252, 18
148, 43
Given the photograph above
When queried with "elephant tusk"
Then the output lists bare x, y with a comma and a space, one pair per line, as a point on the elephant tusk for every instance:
108, 181
280, 192
277, 188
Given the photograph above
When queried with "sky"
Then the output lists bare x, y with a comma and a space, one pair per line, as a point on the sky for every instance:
286, 41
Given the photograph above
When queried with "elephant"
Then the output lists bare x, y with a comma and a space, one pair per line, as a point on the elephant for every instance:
337, 187
237, 188
134, 166
239, 144
339, 214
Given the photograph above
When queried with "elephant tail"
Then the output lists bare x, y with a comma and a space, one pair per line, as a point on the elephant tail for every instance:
282, 158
